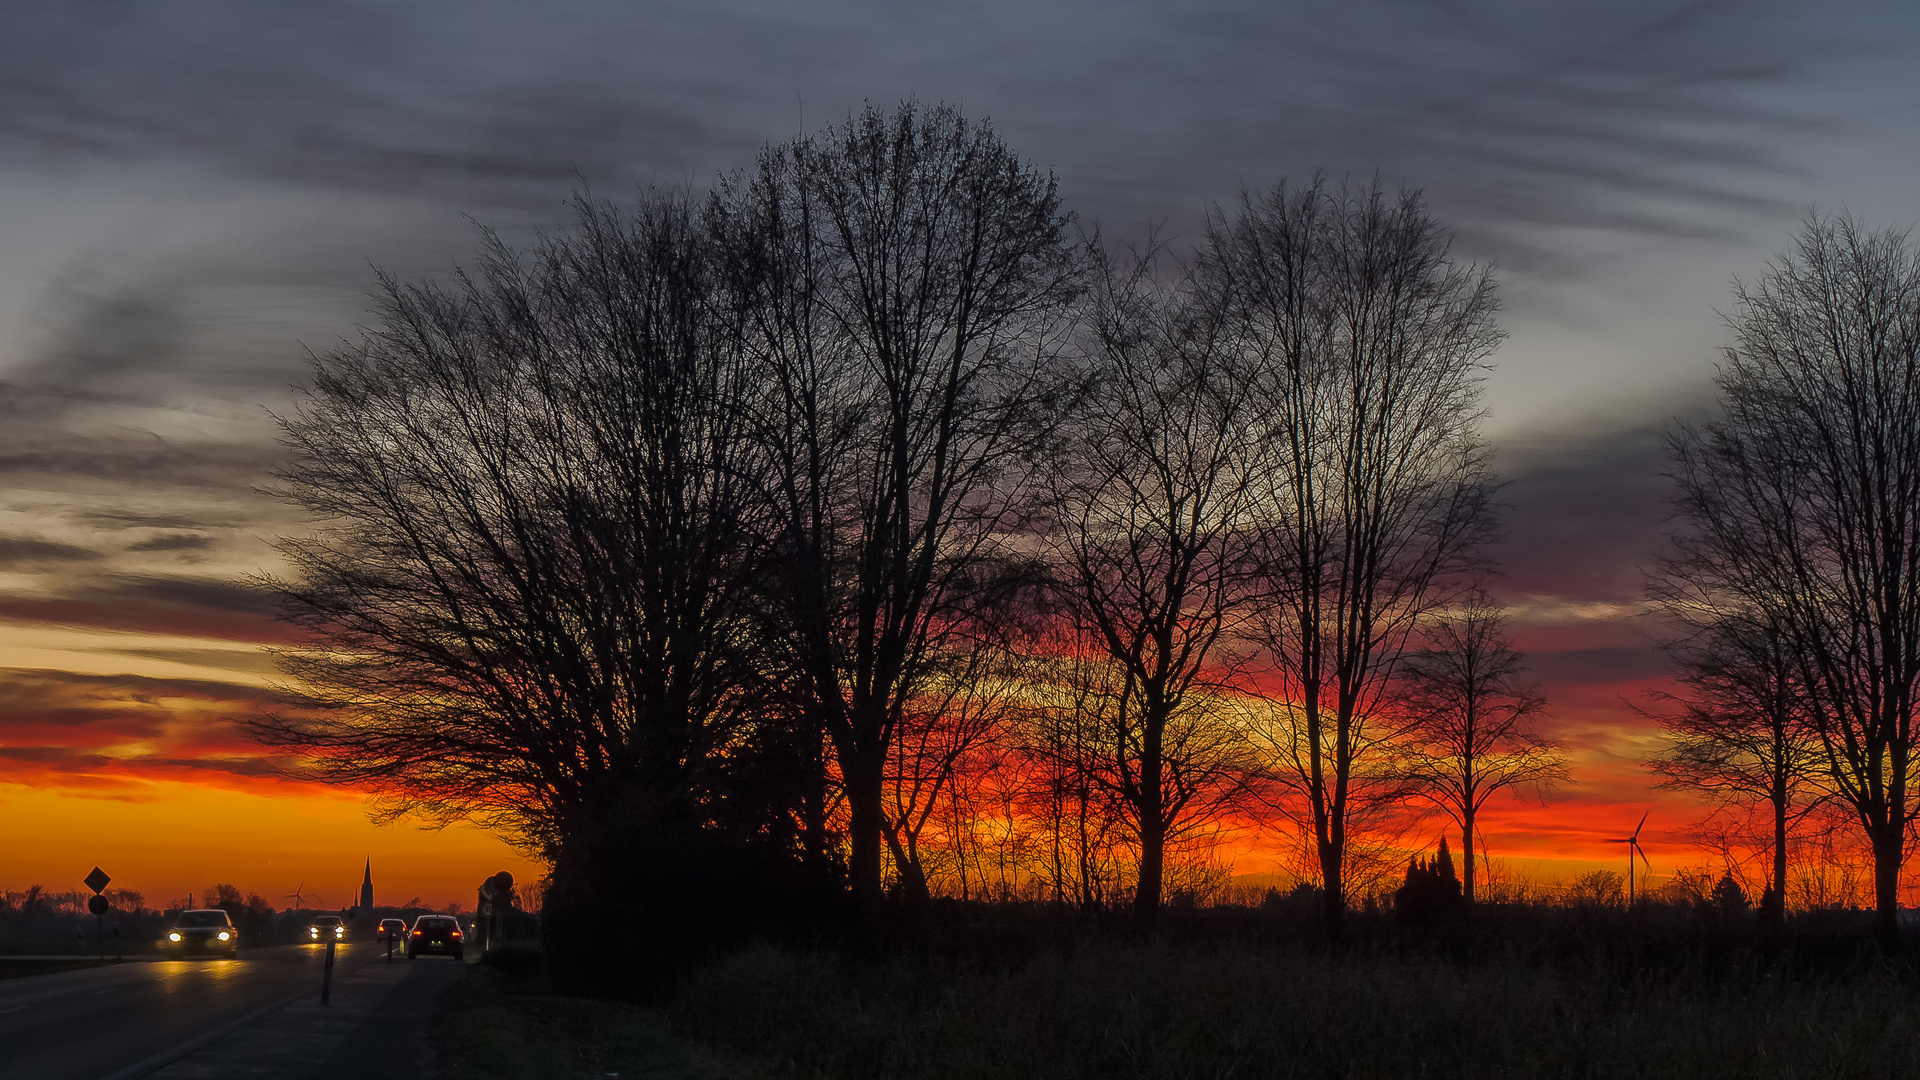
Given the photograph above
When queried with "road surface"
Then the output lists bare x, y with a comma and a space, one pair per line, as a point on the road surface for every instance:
91, 1024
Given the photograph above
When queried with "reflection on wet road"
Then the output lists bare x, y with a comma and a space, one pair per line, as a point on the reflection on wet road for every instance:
84, 1025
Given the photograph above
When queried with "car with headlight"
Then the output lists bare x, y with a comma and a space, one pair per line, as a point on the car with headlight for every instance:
327, 928
436, 934
202, 930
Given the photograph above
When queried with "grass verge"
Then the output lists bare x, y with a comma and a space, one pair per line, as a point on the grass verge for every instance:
497, 1024
1172, 1011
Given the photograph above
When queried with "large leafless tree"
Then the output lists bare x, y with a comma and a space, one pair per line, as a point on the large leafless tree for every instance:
1364, 340
903, 276
527, 600
1801, 500
1153, 500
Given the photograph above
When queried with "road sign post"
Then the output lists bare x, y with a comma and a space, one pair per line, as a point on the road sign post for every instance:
326, 975
97, 904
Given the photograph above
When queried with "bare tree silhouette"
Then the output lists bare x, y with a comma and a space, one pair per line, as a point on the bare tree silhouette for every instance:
1742, 734
527, 601
904, 277
1801, 499
1364, 341
1153, 512
1471, 721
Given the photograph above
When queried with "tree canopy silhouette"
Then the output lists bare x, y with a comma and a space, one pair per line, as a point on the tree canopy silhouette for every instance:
539, 529
1800, 503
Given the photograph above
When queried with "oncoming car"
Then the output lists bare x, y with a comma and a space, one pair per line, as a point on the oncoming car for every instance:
435, 934
326, 928
204, 930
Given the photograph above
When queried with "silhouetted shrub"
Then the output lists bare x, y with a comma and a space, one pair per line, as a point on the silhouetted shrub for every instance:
516, 959
1432, 890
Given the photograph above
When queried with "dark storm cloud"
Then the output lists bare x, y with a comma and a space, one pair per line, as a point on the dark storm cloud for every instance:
75, 410
117, 521
46, 453
110, 349
247, 660
1587, 511
67, 759
114, 708
188, 607
18, 551
67, 729
1605, 668
174, 542
1626, 115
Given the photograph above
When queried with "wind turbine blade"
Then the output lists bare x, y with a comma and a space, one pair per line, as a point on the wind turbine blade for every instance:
1642, 825
1637, 850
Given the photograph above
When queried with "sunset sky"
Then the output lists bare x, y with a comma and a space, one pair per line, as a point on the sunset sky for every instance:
192, 195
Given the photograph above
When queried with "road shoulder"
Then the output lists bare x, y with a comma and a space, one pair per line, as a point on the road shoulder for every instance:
373, 1028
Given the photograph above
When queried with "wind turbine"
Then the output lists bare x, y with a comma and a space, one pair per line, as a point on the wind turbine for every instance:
299, 898
1633, 848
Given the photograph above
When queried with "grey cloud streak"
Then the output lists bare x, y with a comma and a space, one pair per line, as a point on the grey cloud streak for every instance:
1525, 122
1586, 510
1631, 115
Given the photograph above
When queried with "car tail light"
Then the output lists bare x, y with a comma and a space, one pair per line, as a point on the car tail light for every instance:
456, 933
417, 933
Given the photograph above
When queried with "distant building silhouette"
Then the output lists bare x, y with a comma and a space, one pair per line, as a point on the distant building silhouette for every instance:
364, 918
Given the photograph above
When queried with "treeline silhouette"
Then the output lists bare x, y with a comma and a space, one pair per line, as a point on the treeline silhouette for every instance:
35, 920
865, 529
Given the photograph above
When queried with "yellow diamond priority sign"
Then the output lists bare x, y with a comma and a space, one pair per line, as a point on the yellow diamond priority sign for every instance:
97, 880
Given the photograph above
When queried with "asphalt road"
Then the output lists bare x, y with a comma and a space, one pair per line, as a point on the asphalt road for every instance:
86, 1025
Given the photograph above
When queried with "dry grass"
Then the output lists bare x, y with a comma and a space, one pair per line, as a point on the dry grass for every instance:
1158, 1010
501, 1025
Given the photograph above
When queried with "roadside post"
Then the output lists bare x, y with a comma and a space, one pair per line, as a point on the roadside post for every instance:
97, 904
388, 934
490, 914
326, 975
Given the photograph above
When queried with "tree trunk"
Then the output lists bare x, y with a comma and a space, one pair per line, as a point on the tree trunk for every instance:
1146, 895
817, 861
1779, 910
1887, 852
914, 894
1153, 821
1466, 852
866, 815
1334, 900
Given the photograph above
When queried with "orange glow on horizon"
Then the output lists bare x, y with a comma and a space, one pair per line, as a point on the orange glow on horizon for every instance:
181, 838
117, 748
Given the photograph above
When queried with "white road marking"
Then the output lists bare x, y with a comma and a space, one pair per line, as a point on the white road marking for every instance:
15, 1009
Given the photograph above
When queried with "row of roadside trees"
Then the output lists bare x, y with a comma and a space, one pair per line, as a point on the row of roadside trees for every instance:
693, 545
699, 545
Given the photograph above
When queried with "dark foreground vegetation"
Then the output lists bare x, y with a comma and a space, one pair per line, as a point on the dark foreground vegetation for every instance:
1014, 991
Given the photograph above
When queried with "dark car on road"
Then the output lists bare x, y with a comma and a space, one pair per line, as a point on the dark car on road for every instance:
326, 928
204, 931
393, 929
436, 934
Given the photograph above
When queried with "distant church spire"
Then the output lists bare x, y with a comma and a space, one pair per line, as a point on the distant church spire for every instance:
366, 889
